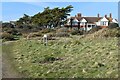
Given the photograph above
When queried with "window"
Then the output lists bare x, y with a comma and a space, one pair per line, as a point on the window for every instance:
89, 25
104, 23
93, 25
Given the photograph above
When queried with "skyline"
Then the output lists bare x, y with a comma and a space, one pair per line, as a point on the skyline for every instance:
14, 10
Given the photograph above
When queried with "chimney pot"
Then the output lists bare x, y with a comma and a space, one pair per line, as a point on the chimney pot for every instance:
98, 15
79, 15
110, 15
105, 16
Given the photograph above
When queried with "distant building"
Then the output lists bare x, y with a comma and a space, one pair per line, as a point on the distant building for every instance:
87, 23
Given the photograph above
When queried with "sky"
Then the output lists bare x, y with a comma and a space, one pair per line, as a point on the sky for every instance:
14, 10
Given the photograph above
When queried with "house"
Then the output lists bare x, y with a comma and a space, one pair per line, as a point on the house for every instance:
87, 23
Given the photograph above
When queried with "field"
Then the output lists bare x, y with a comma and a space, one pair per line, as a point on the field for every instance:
70, 57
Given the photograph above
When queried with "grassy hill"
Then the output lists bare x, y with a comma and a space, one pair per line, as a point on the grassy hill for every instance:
90, 56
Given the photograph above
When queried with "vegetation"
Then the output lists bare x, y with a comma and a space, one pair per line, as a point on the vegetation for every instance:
68, 53
113, 25
68, 57
47, 18
113, 32
77, 32
7, 36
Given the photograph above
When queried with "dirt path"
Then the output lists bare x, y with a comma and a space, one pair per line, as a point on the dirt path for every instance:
8, 69
0, 65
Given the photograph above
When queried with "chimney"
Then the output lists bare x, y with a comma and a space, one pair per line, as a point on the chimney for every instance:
105, 16
79, 15
110, 15
75, 16
98, 15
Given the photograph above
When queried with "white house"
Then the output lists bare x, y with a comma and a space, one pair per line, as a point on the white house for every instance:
87, 23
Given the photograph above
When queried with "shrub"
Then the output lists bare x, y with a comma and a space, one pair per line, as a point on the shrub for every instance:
24, 35
49, 59
76, 32
31, 35
112, 33
62, 30
47, 30
38, 34
113, 25
62, 34
94, 29
12, 31
118, 32
7, 36
51, 34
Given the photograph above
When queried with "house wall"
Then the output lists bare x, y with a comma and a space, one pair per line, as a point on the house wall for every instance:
98, 23
90, 26
104, 23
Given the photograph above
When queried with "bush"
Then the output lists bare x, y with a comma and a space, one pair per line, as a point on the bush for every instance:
51, 34
47, 30
113, 25
7, 36
49, 59
62, 30
62, 34
112, 33
31, 35
77, 32
38, 34
13, 31
94, 29
118, 32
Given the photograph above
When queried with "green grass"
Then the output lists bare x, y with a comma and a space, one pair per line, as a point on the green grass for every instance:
73, 57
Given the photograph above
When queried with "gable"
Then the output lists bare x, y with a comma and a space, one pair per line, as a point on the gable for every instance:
83, 20
103, 19
114, 21
75, 20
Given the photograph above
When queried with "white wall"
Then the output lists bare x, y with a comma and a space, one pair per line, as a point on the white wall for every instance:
98, 23
104, 23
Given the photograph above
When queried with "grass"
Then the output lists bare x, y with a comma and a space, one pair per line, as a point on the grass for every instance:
67, 57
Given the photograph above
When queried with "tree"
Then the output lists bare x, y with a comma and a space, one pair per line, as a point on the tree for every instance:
71, 21
26, 19
52, 17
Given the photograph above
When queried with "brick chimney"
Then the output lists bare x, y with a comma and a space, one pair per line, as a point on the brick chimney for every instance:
75, 16
110, 15
105, 16
79, 15
98, 15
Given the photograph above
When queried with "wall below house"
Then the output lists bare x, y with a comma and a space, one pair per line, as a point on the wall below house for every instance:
104, 26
